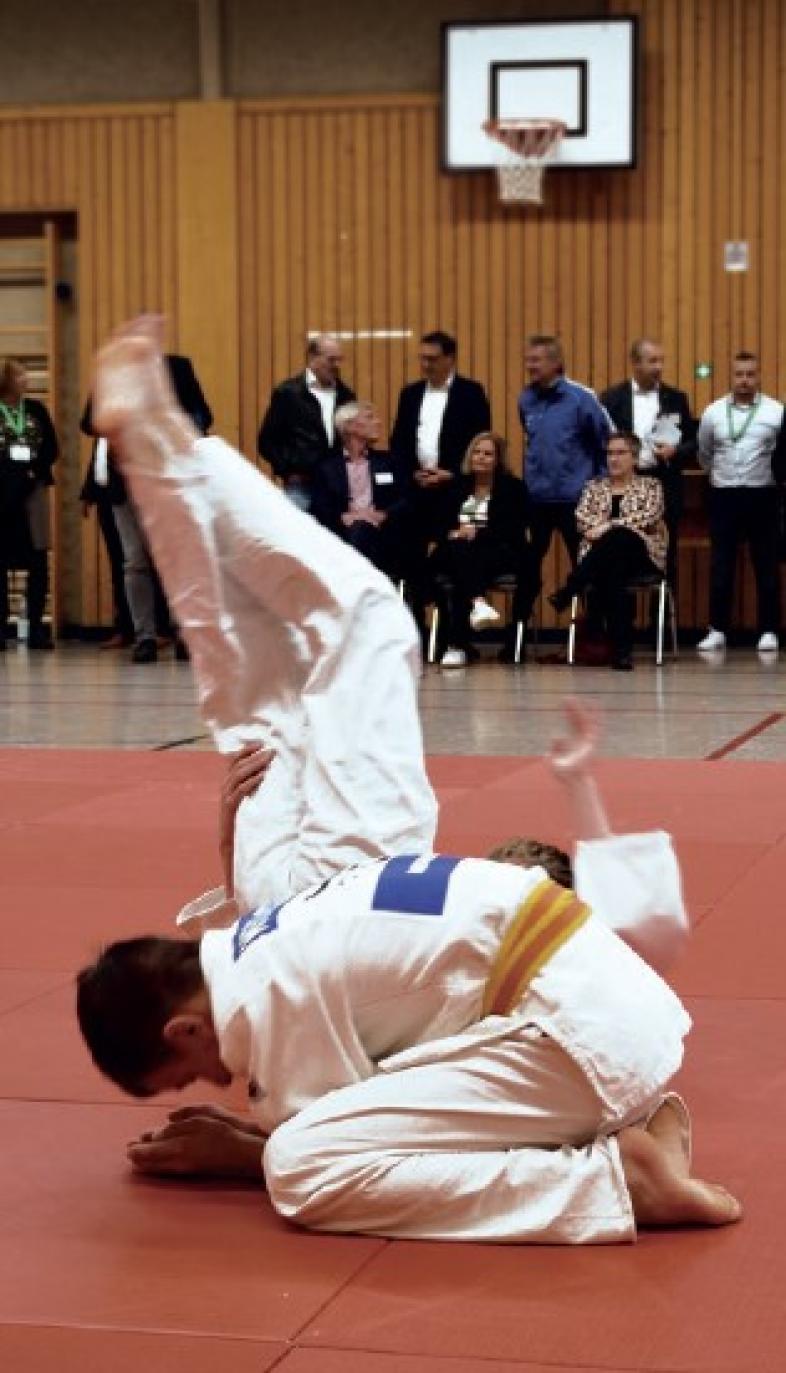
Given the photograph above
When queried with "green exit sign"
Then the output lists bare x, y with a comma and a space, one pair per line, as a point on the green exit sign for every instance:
703, 370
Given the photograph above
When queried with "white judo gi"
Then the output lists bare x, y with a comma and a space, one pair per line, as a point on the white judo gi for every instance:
396, 1106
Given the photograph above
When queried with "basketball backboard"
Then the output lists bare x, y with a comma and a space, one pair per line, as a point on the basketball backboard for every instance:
581, 71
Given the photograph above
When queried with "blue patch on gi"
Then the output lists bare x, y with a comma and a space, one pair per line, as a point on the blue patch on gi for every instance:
404, 892
252, 926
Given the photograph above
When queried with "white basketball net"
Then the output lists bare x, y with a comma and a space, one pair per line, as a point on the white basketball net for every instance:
534, 143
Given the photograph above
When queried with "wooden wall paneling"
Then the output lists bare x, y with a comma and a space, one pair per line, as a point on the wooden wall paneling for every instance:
86, 228
205, 223
360, 242
772, 140
327, 223
379, 231
582, 280
499, 384
261, 305
646, 266
248, 261
429, 183
686, 244
722, 123
511, 269
134, 293
401, 352
346, 245
117, 203
103, 318
151, 214
702, 390
673, 239
173, 292
414, 316
477, 332
598, 267
737, 216
295, 162
752, 182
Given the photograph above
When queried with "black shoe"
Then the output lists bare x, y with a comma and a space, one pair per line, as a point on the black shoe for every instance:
181, 651
560, 600
145, 652
40, 638
622, 662
2, 644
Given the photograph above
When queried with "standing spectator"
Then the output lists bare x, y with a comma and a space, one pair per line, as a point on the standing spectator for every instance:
566, 431
28, 450
361, 495
139, 576
298, 430
92, 493
436, 420
660, 416
738, 435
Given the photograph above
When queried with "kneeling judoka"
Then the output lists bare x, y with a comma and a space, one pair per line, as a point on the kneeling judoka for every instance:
434, 1047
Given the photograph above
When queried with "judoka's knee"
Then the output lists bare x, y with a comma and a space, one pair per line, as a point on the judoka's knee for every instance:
291, 1167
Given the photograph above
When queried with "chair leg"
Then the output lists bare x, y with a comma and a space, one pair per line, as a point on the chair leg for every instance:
519, 641
432, 635
661, 622
574, 610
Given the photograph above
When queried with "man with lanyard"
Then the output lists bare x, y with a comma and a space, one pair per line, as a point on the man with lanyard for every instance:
28, 451
738, 436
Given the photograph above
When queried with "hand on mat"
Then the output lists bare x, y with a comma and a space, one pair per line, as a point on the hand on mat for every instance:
199, 1146
207, 1110
574, 750
245, 772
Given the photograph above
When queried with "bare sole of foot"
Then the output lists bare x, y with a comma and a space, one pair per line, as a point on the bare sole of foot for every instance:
661, 1191
131, 380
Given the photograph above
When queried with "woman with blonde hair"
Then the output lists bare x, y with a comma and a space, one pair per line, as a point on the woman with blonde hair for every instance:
486, 540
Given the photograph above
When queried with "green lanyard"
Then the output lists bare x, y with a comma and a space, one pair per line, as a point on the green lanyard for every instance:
14, 420
736, 437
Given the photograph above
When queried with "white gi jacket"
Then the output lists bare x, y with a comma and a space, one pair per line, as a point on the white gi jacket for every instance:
385, 966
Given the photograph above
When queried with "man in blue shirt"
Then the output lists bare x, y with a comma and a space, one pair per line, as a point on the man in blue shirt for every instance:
566, 431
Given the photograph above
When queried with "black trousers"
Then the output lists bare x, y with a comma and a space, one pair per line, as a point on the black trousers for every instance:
36, 589
461, 569
106, 523
619, 557
544, 520
379, 544
750, 513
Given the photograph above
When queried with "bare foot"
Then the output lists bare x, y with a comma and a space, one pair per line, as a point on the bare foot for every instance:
670, 1126
661, 1191
131, 381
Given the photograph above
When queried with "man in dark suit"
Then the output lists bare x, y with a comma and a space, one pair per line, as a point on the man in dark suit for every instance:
143, 593
646, 406
436, 420
298, 432
362, 495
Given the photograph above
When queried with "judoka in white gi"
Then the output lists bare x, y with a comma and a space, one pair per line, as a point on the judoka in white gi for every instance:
434, 1047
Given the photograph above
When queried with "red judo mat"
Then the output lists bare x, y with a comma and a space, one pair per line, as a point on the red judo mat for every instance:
102, 1271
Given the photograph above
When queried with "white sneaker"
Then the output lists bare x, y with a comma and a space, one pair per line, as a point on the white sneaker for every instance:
712, 641
482, 614
453, 657
768, 643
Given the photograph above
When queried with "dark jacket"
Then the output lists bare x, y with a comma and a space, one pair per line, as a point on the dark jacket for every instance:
292, 437
618, 401
330, 489
191, 399
19, 479
467, 413
506, 528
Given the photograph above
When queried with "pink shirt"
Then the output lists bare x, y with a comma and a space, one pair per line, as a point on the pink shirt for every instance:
361, 496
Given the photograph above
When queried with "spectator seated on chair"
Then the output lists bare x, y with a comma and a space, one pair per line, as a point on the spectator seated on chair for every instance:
362, 495
486, 540
624, 540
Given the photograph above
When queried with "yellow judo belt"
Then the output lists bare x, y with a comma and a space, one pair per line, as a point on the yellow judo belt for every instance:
541, 925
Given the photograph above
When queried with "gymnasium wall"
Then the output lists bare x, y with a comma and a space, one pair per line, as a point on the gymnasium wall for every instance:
250, 222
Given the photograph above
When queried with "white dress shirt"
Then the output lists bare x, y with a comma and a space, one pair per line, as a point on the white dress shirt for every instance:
736, 442
646, 405
432, 413
326, 395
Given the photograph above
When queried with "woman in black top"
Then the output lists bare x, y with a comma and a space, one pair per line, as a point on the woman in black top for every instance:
28, 450
486, 540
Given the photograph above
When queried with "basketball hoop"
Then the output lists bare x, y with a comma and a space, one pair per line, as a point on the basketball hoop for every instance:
533, 142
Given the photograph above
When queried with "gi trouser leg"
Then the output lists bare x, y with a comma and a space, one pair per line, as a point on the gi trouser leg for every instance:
297, 641
504, 1142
